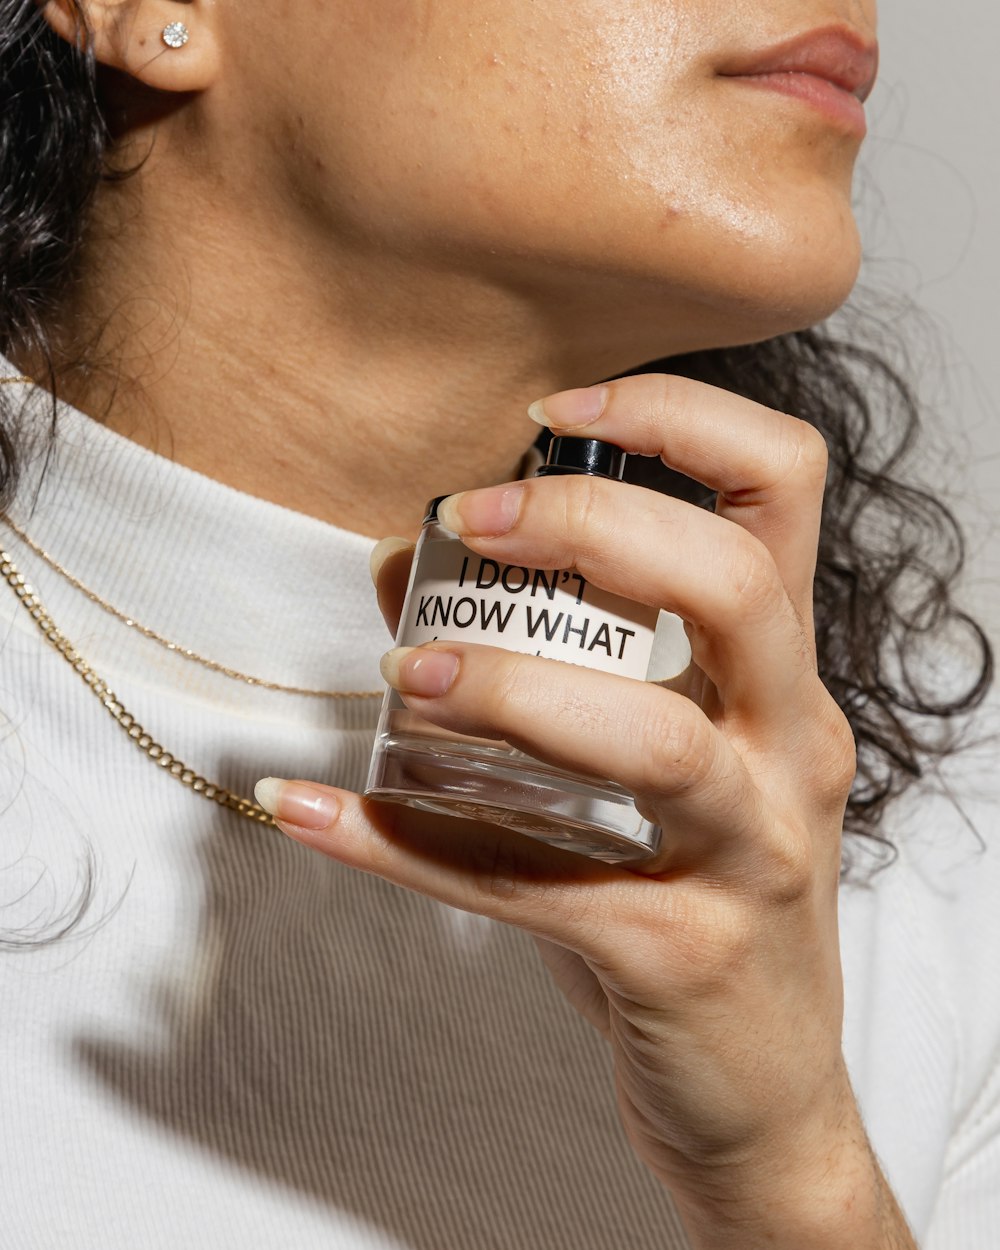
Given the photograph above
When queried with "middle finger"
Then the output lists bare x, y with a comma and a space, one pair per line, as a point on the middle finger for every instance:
653, 549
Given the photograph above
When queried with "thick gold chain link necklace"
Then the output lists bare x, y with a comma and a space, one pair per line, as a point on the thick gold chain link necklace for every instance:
143, 740
163, 758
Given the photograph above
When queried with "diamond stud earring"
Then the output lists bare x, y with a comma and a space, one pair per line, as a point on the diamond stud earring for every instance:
176, 35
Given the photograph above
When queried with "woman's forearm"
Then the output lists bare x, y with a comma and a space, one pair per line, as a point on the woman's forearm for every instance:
849, 1205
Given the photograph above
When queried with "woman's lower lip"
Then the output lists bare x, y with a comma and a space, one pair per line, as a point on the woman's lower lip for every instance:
838, 105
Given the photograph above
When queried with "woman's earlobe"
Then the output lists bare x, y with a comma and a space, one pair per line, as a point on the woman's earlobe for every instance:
149, 41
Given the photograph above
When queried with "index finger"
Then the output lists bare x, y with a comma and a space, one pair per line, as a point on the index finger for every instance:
768, 468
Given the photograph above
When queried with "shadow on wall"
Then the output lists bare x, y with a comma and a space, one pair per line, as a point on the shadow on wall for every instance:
481, 1115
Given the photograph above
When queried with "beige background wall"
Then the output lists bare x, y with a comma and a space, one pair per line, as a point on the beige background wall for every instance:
929, 203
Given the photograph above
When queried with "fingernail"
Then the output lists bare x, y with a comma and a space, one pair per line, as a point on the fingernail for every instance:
419, 670
383, 550
482, 513
297, 802
569, 410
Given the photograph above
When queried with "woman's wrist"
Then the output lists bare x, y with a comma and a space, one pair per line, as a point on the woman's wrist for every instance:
834, 1198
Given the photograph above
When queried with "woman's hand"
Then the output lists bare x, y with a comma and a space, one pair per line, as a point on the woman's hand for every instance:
713, 971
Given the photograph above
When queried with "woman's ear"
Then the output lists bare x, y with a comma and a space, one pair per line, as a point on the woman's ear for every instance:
128, 35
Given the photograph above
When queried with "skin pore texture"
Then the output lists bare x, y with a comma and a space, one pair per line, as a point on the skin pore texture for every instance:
365, 238
389, 227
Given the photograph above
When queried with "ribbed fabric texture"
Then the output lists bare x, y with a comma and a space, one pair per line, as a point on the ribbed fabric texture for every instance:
250, 1046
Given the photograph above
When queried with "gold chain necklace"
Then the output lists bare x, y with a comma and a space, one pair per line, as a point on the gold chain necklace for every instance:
143, 740
163, 758
185, 652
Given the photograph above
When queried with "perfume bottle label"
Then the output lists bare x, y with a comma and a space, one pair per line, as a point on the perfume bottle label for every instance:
456, 594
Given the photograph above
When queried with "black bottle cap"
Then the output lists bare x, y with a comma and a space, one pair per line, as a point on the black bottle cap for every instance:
431, 511
583, 455
568, 455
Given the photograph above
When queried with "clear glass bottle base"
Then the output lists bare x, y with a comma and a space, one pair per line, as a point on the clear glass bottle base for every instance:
492, 782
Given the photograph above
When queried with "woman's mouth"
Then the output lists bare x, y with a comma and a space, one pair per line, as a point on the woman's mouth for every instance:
832, 68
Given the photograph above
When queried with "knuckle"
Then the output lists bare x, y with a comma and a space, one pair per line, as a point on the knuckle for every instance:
666, 392
790, 872
665, 397
730, 947
812, 456
681, 754
512, 688
836, 755
586, 521
755, 588
707, 945
823, 763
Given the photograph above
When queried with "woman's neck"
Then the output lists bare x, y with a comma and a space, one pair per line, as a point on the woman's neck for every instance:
355, 425
344, 381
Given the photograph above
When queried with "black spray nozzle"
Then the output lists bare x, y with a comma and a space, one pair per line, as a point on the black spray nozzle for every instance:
583, 455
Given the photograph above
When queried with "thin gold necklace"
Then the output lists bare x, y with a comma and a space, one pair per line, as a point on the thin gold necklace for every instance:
143, 740
163, 758
175, 647
186, 652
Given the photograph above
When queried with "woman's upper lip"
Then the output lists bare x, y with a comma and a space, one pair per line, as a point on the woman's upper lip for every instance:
838, 54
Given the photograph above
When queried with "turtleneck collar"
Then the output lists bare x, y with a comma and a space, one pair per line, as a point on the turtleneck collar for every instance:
247, 582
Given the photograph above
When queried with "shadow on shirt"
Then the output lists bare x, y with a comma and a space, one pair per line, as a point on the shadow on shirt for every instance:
404, 1063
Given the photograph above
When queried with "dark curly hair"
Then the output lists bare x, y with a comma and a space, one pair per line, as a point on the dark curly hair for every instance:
889, 552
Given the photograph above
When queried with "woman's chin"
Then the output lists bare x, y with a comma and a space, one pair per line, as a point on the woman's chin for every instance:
660, 321
706, 289
766, 301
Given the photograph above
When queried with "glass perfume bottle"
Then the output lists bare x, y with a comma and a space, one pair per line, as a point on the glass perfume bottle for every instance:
456, 594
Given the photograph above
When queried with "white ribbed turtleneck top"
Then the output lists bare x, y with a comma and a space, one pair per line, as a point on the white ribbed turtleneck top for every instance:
249, 1046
